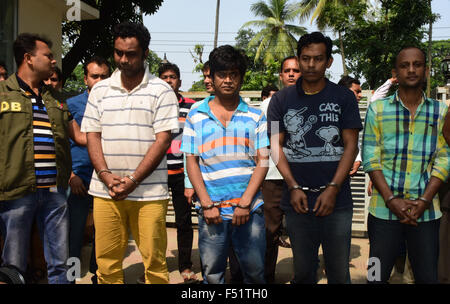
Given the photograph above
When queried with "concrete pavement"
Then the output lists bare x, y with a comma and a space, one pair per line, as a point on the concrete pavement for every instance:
133, 267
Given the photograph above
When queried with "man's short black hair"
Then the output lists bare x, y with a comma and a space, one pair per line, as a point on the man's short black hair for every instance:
58, 73
286, 59
314, 37
3, 65
169, 67
97, 60
206, 66
226, 57
267, 89
347, 81
130, 29
26, 43
411, 47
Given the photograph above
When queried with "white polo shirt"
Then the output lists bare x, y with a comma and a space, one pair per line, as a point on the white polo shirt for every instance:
128, 122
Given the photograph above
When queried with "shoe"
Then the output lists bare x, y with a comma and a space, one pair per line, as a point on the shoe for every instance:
189, 276
283, 243
141, 280
94, 279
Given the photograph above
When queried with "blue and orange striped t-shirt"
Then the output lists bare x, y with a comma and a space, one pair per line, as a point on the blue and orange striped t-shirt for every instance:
227, 155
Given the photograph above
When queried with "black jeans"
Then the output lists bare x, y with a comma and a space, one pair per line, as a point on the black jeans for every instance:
386, 238
183, 221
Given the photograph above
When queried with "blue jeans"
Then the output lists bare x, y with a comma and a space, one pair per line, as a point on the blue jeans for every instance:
50, 211
248, 242
307, 232
386, 238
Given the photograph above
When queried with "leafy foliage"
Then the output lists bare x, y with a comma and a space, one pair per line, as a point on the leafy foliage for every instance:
276, 39
94, 37
372, 44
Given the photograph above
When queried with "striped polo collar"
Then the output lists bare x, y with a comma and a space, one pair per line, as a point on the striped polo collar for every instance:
115, 80
204, 107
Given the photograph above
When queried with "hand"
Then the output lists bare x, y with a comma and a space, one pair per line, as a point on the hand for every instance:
355, 167
326, 201
77, 186
110, 180
393, 80
189, 193
370, 188
299, 201
240, 215
417, 208
212, 216
402, 209
125, 187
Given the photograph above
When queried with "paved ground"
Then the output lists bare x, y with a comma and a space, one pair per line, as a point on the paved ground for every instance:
133, 267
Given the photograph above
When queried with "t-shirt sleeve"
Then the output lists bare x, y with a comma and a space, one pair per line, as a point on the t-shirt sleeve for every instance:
91, 117
262, 140
351, 118
189, 140
166, 112
275, 115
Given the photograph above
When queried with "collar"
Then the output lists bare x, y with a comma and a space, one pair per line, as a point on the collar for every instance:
300, 90
26, 88
204, 107
396, 98
115, 80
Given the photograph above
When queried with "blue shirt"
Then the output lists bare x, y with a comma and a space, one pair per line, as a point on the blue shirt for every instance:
226, 154
81, 163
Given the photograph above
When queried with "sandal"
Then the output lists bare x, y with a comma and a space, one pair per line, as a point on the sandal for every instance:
189, 276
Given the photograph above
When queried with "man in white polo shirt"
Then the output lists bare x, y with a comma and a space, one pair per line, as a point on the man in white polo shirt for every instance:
129, 119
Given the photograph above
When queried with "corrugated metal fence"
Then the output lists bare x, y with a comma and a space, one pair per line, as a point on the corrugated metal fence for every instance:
359, 181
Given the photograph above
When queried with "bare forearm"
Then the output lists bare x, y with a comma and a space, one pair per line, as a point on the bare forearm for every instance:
379, 182
95, 151
348, 157
279, 158
153, 157
75, 133
432, 188
257, 177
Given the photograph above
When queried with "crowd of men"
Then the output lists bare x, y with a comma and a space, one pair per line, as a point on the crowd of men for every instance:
121, 145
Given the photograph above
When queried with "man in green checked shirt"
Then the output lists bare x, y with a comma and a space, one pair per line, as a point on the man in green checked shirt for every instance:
406, 156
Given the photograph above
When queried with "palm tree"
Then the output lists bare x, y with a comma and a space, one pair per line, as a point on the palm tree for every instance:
276, 39
333, 14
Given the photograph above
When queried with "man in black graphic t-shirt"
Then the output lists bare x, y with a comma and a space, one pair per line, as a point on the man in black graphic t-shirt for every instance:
314, 129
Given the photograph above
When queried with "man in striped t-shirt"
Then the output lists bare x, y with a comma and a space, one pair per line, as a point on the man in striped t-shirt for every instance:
170, 73
227, 157
34, 159
129, 118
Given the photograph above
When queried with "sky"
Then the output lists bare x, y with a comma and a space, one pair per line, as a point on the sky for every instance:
180, 24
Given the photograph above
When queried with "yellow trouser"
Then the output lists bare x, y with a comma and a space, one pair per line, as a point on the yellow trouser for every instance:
147, 222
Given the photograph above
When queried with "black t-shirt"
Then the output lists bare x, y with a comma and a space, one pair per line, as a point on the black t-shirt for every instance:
313, 142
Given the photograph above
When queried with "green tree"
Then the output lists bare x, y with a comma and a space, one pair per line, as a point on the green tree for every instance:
75, 82
258, 74
333, 14
94, 37
276, 39
372, 44
439, 49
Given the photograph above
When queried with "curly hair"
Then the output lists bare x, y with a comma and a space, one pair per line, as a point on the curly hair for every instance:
314, 37
130, 29
225, 58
